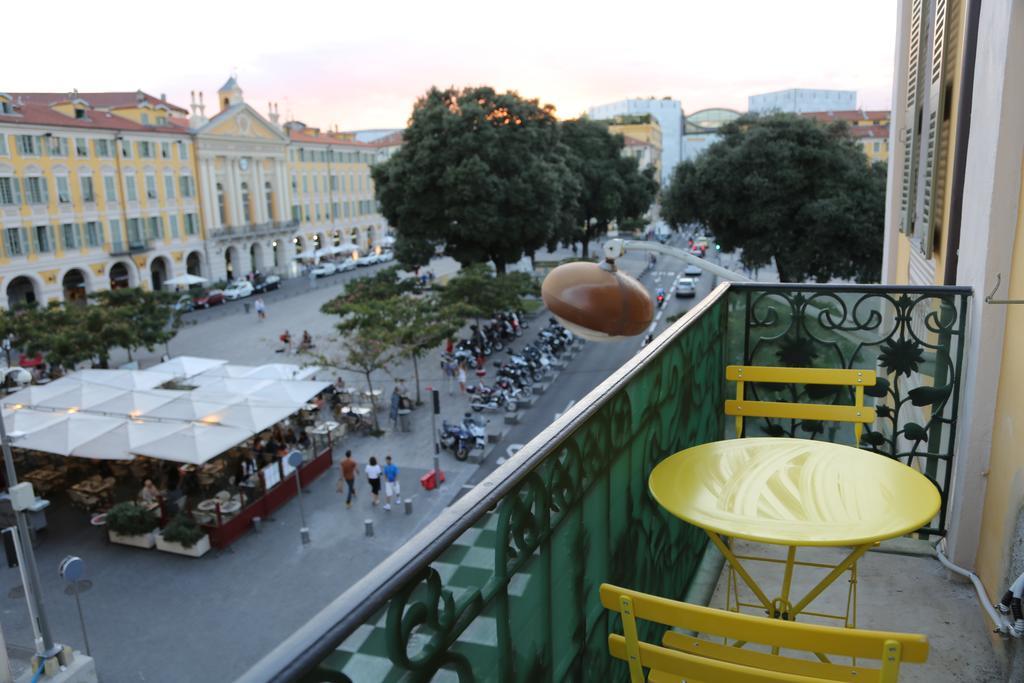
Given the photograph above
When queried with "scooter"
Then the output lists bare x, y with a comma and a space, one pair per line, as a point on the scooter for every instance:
477, 428
455, 438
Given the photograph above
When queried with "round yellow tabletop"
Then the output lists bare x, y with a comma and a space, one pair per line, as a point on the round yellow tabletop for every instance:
794, 492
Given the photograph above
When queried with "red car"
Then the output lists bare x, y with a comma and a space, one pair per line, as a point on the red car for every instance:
210, 298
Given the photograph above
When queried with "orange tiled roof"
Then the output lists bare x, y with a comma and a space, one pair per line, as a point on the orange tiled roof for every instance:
851, 116
876, 131
36, 113
100, 100
324, 139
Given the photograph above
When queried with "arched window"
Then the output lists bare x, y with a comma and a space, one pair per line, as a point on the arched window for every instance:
221, 206
246, 209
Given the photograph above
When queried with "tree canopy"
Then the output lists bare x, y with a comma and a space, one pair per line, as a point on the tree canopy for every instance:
479, 173
787, 188
611, 186
479, 293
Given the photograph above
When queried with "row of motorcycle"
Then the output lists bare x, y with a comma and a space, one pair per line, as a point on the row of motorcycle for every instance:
515, 374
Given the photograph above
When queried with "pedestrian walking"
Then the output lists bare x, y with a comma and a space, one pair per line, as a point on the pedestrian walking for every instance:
347, 481
373, 472
391, 488
449, 374
261, 309
462, 378
396, 404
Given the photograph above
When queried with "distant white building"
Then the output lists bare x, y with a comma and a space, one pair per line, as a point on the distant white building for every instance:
374, 134
669, 114
800, 100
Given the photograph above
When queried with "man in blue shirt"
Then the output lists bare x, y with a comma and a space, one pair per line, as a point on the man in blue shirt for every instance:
390, 482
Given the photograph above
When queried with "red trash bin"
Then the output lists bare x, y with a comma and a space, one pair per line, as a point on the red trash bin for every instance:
429, 481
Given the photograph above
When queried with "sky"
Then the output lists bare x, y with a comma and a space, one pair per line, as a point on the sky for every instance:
362, 65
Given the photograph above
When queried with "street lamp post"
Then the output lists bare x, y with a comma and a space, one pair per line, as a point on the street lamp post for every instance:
45, 649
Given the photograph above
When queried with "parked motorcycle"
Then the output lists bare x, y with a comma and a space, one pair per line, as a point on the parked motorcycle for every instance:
477, 428
456, 438
494, 401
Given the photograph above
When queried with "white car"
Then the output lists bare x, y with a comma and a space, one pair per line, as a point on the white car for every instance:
324, 269
693, 271
238, 290
346, 265
367, 260
386, 256
686, 288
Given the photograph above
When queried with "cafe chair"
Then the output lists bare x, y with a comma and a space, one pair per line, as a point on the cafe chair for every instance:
683, 657
742, 407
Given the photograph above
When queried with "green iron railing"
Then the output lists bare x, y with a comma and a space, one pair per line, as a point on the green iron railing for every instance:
913, 337
503, 585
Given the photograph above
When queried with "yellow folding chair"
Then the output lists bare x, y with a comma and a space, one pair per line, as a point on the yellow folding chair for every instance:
857, 413
681, 657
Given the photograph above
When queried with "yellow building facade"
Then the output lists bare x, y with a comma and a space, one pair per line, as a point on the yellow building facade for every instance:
643, 129
97, 190
955, 216
869, 128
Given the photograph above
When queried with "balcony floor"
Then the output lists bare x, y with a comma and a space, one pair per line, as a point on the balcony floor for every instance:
906, 593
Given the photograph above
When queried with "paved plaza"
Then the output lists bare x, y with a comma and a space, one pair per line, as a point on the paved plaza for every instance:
144, 608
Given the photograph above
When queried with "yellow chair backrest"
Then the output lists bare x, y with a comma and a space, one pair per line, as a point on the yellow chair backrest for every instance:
680, 656
857, 413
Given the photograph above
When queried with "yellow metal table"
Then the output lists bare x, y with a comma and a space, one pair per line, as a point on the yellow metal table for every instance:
793, 493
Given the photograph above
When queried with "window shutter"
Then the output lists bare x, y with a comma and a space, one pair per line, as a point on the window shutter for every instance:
43, 185
16, 189
911, 134
78, 235
928, 212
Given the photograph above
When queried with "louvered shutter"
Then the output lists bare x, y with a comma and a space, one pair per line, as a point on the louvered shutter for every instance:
44, 187
930, 212
912, 132
16, 189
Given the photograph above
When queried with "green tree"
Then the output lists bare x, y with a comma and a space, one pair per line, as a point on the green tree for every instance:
367, 350
384, 284
479, 174
477, 292
136, 318
421, 324
785, 188
610, 186
680, 199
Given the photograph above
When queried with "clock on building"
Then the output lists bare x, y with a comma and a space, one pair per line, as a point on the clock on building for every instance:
243, 163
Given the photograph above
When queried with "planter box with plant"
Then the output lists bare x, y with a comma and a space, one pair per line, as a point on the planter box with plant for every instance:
131, 524
184, 537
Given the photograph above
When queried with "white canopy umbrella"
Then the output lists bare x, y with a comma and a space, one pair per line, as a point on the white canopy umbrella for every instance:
252, 415
320, 253
284, 371
237, 387
26, 420
187, 366
83, 396
221, 371
34, 395
294, 391
188, 408
305, 254
186, 279
119, 443
346, 248
387, 240
63, 436
194, 443
136, 403
123, 379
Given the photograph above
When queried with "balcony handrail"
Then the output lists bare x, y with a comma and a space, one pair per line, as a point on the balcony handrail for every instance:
311, 643
854, 288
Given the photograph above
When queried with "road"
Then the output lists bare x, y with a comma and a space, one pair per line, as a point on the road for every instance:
595, 362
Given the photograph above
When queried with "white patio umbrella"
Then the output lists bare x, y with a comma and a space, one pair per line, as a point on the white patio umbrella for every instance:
194, 443
305, 254
82, 397
136, 403
34, 395
387, 240
320, 253
186, 279
231, 386
63, 436
26, 420
119, 443
293, 391
188, 408
252, 415
221, 371
123, 379
186, 366
285, 371
346, 248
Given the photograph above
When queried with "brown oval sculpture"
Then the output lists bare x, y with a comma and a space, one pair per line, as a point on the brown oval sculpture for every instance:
589, 298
